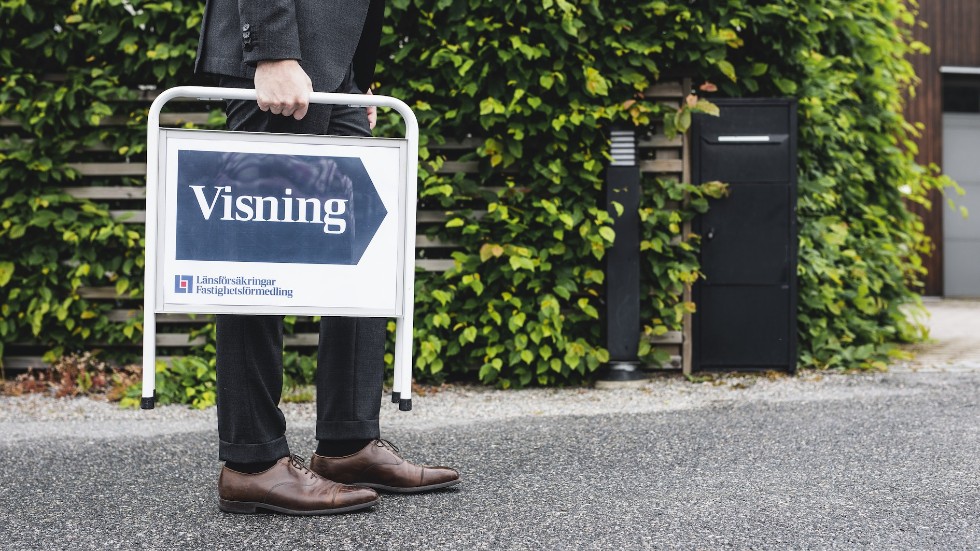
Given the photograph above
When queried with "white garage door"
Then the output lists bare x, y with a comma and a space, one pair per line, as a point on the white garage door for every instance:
961, 236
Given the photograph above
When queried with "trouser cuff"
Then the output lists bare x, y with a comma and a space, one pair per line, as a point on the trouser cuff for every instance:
253, 453
348, 430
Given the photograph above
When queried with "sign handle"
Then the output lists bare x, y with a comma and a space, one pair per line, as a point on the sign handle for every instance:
402, 387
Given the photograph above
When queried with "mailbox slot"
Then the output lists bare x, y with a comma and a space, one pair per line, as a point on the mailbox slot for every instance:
740, 158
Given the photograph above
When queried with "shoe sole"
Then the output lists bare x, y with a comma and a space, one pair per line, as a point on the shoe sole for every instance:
253, 507
413, 490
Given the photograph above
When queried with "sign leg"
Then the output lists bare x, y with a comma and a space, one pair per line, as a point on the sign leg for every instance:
150, 264
403, 358
148, 399
399, 362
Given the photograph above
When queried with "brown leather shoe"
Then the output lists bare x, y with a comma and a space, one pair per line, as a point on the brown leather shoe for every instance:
289, 487
379, 466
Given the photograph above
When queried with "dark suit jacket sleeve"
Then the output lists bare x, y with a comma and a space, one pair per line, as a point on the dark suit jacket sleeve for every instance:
269, 30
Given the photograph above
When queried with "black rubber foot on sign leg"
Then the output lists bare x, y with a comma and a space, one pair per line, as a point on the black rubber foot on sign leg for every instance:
405, 405
395, 396
147, 403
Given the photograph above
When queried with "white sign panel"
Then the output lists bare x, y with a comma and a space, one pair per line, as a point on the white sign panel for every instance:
280, 224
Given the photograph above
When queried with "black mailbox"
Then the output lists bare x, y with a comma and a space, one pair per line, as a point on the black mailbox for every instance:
746, 305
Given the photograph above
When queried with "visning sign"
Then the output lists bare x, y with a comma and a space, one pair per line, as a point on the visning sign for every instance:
250, 223
279, 224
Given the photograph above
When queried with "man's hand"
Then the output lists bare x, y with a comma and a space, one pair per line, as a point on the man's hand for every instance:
283, 88
372, 112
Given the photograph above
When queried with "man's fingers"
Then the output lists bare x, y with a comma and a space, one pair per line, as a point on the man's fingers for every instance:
301, 112
283, 88
372, 114
295, 107
372, 111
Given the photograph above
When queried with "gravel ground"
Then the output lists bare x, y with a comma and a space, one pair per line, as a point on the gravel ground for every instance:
38, 417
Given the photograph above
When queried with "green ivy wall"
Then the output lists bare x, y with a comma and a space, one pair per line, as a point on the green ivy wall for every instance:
538, 84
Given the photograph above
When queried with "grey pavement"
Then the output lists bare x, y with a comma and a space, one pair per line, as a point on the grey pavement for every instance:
818, 461
886, 461
954, 344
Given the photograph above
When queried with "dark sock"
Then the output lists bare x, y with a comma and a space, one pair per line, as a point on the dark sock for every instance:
340, 448
250, 468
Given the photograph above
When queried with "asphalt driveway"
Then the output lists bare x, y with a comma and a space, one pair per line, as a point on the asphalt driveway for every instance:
888, 461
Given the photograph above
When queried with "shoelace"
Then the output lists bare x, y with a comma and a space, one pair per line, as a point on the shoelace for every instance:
298, 462
387, 444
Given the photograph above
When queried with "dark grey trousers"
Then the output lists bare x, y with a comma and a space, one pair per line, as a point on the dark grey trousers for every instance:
350, 361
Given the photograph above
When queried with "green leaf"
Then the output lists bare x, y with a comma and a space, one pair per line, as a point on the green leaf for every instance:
607, 233
6, 272
727, 69
595, 83
785, 86
682, 121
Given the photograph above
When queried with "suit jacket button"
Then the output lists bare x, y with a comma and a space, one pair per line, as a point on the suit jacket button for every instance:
245, 27
246, 34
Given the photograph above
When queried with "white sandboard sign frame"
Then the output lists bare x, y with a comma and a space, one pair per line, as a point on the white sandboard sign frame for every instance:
379, 282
